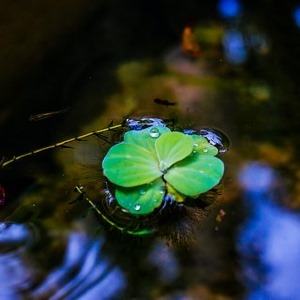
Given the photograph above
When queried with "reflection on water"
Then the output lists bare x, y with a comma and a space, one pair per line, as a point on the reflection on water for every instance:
297, 16
269, 240
83, 274
229, 8
163, 258
16, 273
234, 47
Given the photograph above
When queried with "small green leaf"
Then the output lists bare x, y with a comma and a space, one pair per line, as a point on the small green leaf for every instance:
145, 138
199, 139
143, 199
202, 146
206, 149
195, 174
173, 147
130, 165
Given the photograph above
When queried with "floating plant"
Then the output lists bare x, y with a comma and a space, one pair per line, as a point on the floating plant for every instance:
154, 161
156, 175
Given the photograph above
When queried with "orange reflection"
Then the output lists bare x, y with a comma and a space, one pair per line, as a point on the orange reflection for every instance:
189, 44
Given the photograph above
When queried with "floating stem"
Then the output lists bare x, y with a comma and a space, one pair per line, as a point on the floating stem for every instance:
4, 163
122, 229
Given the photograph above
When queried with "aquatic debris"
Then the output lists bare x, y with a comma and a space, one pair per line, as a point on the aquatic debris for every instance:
220, 216
46, 115
136, 231
62, 144
164, 102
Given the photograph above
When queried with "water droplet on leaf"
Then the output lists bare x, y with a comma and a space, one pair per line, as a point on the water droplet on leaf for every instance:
163, 165
142, 192
154, 132
137, 207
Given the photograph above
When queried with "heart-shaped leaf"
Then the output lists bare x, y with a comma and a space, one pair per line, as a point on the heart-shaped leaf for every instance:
130, 165
173, 147
143, 199
195, 174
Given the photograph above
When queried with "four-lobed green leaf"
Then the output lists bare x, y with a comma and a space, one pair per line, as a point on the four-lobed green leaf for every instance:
150, 160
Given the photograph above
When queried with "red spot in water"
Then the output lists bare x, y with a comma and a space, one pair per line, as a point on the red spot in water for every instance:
220, 215
2, 195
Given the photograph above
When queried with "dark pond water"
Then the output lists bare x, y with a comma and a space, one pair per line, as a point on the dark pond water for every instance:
228, 64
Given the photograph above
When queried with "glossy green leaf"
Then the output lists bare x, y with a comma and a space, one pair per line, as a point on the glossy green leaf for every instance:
143, 199
202, 146
130, 165
199, 139
195, 174
145, 138
206, 149
173, 147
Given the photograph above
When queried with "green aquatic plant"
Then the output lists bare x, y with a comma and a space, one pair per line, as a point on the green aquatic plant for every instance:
154, 161
157, 177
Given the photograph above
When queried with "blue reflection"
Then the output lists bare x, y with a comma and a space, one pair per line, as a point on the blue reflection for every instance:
85, 272
234, 47
269, 240
229, 8
165, 260
297, 16
16, 276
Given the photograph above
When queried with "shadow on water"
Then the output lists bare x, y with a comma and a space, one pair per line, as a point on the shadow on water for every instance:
222, 65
